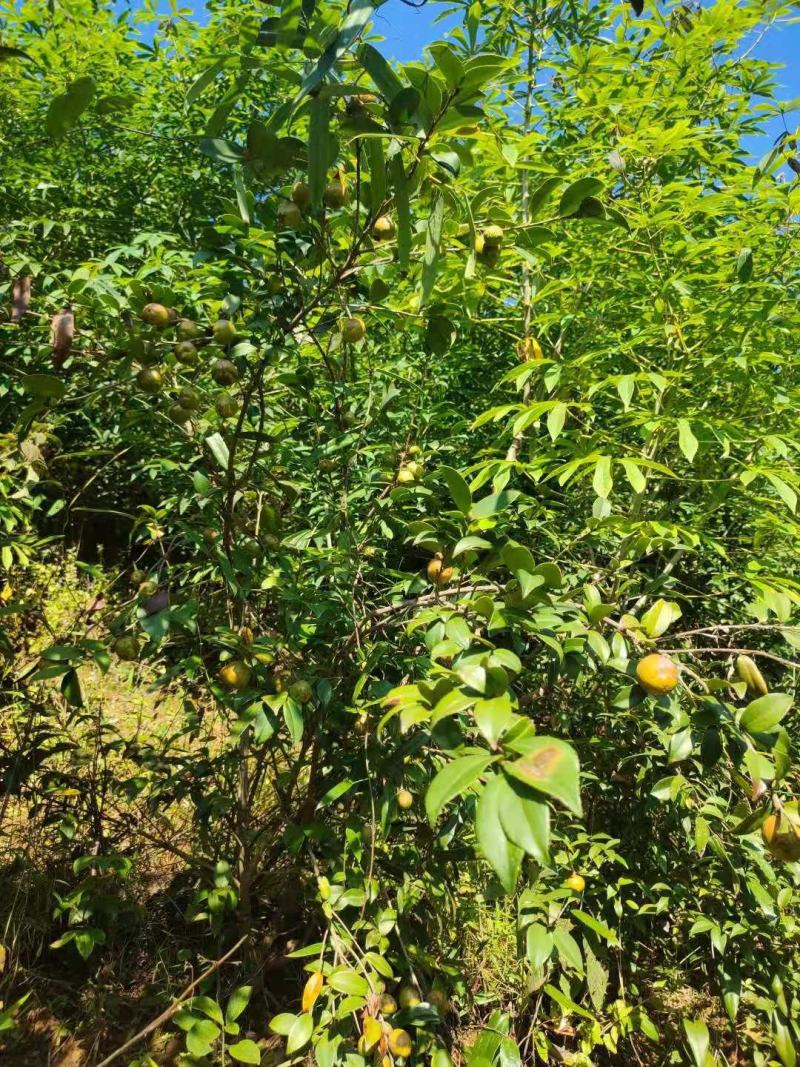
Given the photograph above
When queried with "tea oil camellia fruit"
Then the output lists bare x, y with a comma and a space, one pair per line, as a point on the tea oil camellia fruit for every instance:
301, 194
438, 573
353, 330
156, 315
226, 406
149, 380
576, 883
186, 353
300, 691
781, 834
235, 674
657, 674
335, 195
493, 236
126, 648
400, 1043
748, 672
224, 372
383, 230
290, 217
189, 398
388, 1005
409, 997
405, 799
187, 330
224, 332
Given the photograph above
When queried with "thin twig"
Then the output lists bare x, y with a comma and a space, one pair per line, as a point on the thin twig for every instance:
738, 651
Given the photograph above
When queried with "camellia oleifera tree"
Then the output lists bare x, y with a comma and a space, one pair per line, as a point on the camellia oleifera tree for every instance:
439, 419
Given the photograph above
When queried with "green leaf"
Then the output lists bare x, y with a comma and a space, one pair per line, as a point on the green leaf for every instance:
493, 504
201, 1037
403, 208
245, 1051
350, 982
784, 1045
301, 1031
354, 22
550, 766
459, 490
659, 617
575, 194
318, 147
219, 450
603, 481
595, 926
568, 949
564, 1002
71, 689
7, 53
67, 108
454, 779
525, 818
502, 855
744, 265
43, 385
699, 1042
208, 1007
202, 81
762, 715
385, 79
221, 151
238, 1001
283, 1023
433, 237
538, 945
596, 977
686, 439
377, 173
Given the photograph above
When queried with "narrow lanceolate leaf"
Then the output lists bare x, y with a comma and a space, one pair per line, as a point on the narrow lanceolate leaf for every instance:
603, 481
241, 195
403, 208
202, 81
352, 25
503, 856
318, 147
377, 173
525, 817
452, 780
7, 53
550, 766
459, 490
699, 1041
386, 81
686, 439
433, 237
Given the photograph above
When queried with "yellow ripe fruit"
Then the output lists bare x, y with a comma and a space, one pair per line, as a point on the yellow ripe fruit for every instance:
156, 315
301, 194
388, 1005
438, 574
312, 990
575, 882
657, 674
353, 329
404, 799
383, 230
405, 476
782, 837
408, 997
335, 194
493, 236
479, 245
224, 331
748, 672
400, 1043
235, 674
528, 348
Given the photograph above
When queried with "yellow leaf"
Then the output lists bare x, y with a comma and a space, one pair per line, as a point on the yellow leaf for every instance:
312, 990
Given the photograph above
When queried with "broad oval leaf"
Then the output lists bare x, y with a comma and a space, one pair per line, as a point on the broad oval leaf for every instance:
550, 766
452, 780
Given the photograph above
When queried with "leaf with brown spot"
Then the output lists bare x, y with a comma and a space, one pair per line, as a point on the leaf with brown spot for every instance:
550, 766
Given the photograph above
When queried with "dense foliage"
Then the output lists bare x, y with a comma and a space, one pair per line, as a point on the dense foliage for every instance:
410, 451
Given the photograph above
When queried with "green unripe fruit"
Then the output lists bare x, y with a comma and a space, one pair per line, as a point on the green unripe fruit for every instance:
224, 372
189, 399
300, 691
251, 548
409, 997
378, 290
327, 464
493, 236
353, 330
156, 315
416, 469
186, 353
349, 419
179, 414
290, 217
126, 648
147, 588
188, 330
149, 380
224, 331
383, 230
301, 194
335, 195
405, 476
275, 284
226, 406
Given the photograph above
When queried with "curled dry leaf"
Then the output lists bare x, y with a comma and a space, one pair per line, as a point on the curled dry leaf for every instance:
62, 327
20, 297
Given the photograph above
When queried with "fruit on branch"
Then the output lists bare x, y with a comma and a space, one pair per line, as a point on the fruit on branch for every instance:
335, 195
126, 648
409, 997
224, 372
528, 348
748, 672
189, 398
187, 330
327, 464
438, 573
149, 380
186, 353
20, 297
226, 406
781, 834
383, 230
301, 194
575, 883
657, 674
235, 674
493, 236
224, 332
179, 414
404, 799
405, 476
400, 1043
210, 535
353, 329
156, 315
300, 691
387, 1004
290, 217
